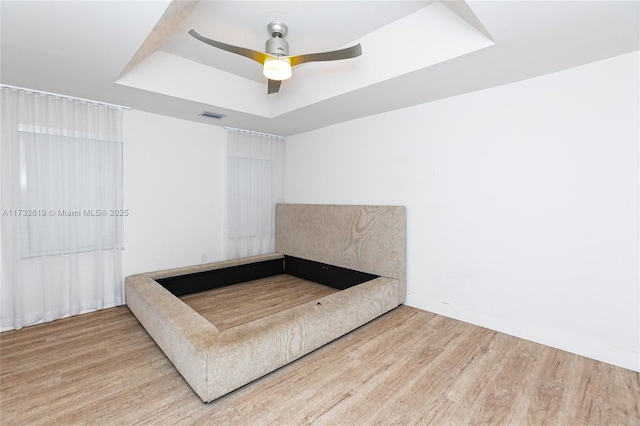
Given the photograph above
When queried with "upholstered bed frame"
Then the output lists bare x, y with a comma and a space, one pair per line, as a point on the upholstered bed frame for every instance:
365, 239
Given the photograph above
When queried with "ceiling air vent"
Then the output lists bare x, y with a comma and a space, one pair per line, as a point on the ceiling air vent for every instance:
212, 115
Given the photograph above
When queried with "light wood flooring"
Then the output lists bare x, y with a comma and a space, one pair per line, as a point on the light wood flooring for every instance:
408, 367
228, 307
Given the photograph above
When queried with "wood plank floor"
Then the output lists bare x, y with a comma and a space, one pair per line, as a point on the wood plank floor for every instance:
228, 307
408, 367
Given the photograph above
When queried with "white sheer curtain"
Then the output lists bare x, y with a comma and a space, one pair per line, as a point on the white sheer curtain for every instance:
255, 183
61, 202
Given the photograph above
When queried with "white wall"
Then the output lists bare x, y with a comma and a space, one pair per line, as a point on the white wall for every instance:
174, 191
522, 202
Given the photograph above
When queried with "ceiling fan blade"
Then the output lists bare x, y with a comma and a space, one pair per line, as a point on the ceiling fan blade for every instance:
274, 86
349, 52
251, 54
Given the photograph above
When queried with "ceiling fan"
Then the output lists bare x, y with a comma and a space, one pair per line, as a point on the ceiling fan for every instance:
276, 61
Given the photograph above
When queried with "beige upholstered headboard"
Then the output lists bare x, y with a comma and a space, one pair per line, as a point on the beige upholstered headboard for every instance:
369, 239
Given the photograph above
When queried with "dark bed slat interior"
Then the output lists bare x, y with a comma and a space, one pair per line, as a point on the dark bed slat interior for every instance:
334, 276
322, 273
207, 280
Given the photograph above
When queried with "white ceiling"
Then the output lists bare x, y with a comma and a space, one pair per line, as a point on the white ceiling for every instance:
138, 53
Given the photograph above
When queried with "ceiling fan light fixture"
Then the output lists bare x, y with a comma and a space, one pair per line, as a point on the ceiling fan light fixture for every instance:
277, 69
275, 60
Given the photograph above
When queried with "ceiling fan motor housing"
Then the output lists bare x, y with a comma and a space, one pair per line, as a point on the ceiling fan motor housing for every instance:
277, 45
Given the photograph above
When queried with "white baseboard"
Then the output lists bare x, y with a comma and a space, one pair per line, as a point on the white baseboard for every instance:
569, 342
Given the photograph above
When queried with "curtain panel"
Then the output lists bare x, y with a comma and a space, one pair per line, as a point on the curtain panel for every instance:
255, 183
61, 205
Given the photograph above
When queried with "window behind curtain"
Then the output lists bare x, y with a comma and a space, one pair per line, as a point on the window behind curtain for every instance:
68, 181
255, 183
